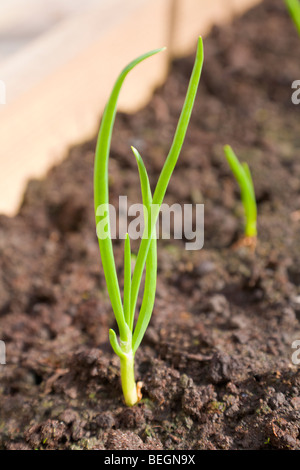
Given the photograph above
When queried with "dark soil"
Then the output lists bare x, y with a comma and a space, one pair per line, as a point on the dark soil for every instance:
216, 361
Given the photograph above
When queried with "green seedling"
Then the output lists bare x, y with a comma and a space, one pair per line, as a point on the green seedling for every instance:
130, 334
293, 7
243, 176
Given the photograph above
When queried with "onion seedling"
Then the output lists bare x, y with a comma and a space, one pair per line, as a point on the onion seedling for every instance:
130, 335
293, 7
242, 174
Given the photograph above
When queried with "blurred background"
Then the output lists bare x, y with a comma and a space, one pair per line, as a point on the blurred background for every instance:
21, 21
58, 62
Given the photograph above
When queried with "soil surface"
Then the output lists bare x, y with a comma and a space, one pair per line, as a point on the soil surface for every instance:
216, 361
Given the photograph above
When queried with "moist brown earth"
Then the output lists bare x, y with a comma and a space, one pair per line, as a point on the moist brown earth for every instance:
216, 361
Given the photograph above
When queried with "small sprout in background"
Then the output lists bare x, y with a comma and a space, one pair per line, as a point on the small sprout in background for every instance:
131, 335
243, 176
293, 7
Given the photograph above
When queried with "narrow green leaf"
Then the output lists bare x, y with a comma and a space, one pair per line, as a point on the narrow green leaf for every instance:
127, 279
249, 176
235, 166
101, 192
167, 170
293, 7
114, 343
146, 191
148, 297
243, 177
151, 261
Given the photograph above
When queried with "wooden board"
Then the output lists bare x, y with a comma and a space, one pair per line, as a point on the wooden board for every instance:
58, 83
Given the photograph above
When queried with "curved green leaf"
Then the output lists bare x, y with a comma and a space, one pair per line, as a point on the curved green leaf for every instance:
167, 170
293, 7
101, 192
243, 177
127, 279
114, 343
151, 261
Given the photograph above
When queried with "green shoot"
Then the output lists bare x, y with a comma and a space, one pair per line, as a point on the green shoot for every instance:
243, 176
293, 7
130, 335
